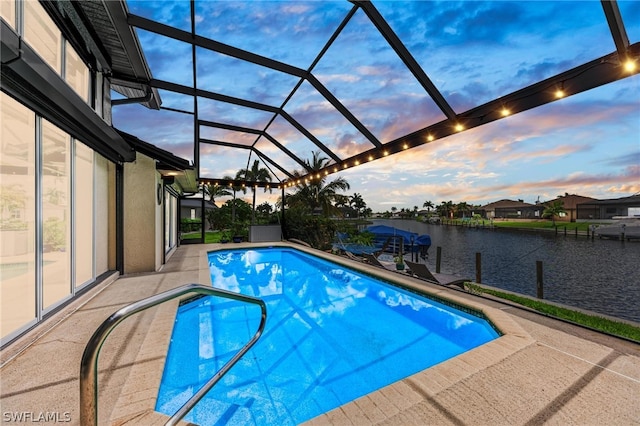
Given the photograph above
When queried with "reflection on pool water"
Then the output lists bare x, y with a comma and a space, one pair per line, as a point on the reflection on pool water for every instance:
332, 335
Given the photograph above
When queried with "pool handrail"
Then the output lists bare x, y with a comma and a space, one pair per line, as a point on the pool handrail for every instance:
89, 362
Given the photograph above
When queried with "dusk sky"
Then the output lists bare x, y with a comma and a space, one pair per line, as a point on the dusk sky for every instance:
473, 52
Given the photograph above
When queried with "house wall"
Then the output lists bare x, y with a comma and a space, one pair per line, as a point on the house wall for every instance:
159, 235
141, 235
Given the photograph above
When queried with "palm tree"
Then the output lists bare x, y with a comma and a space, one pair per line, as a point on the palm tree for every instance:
357, 203
232, 192
316, 194
254, 174
463, 207
341, 202
428, 205
264, 210
446, 208
216, 191
554, 209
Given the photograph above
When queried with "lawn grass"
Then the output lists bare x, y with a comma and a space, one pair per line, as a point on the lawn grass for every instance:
543, 224
209, 236
595, 322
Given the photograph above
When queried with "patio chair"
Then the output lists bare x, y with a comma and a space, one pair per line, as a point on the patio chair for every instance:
372, 260
423, 272
353, 256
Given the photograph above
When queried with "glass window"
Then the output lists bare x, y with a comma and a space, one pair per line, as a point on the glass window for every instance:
17, 216
56, 265
83, 208
76, 72
8, 12
104, 194
42, 34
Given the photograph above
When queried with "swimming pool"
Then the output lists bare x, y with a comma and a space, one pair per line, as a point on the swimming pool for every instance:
332, 335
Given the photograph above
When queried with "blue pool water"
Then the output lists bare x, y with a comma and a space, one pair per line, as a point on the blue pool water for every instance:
332, 335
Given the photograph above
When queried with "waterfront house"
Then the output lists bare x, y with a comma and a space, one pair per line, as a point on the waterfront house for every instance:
510, 209
570, 204
609, 209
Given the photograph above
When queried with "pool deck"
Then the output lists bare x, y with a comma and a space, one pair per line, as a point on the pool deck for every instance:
542, 371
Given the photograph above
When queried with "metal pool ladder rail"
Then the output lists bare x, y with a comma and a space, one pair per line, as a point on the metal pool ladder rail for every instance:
89, 363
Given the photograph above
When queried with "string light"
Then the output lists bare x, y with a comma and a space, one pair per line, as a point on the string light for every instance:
560, 91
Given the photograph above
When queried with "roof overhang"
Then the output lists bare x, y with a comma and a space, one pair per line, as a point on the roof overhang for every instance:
126, 67
26, 77
171, 167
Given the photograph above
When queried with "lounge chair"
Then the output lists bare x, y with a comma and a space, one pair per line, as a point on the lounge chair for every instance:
373, 260
353, 256
422, 272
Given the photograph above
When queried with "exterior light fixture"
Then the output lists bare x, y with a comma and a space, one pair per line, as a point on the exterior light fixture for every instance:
318, 176
459, 127
326, 172
430, 138
560, 91
505, 112
357, 162
335, 169
370, 158
405, 146
345, 165
385, 153
630, 65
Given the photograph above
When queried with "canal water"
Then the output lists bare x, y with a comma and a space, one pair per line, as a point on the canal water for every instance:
602, 276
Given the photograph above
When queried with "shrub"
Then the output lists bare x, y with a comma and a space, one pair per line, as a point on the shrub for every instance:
318, 231
190, 225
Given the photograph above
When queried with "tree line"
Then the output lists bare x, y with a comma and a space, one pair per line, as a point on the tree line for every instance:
319, 198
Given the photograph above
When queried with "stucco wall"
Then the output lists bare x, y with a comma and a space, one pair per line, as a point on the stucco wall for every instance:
159, 246
140, 217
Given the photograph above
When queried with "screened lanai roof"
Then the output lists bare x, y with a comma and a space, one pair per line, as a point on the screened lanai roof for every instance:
274, 81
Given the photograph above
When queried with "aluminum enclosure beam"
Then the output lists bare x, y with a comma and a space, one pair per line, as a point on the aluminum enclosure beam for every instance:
406, 57
618, 31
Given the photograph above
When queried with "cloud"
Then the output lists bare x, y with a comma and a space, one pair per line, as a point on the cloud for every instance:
626, 160
332, 78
